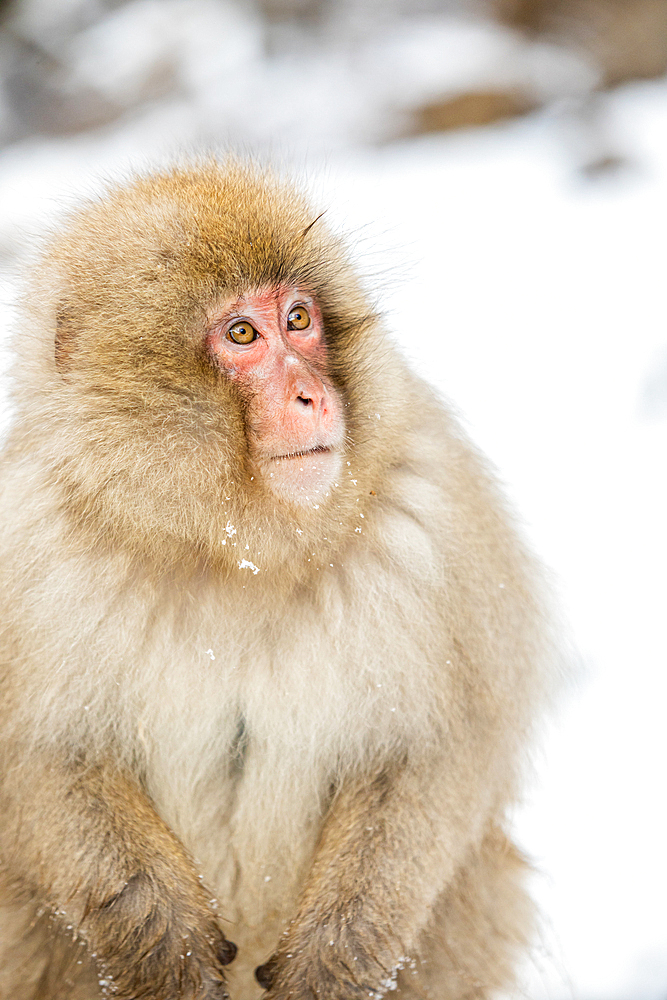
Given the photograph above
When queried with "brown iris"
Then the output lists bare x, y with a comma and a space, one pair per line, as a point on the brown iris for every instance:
242, 333
298, 318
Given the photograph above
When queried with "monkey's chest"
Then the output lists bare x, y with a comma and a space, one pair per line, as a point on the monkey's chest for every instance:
248, 808
243, 771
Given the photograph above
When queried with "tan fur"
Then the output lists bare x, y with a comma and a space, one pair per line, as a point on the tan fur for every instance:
332, 742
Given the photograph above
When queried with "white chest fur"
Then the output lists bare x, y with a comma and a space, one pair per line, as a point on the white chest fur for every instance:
265, 708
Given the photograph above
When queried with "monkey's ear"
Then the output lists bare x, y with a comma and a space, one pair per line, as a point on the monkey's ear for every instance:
65, 337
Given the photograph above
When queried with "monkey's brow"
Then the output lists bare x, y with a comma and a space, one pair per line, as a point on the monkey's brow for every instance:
275, 290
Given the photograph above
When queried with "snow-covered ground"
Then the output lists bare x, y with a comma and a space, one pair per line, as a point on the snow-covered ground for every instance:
534, 299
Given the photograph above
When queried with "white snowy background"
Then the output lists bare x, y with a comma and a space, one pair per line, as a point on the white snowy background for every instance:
530, 293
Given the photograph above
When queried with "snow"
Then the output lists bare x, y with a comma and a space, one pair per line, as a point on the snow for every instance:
534, 299
246, 564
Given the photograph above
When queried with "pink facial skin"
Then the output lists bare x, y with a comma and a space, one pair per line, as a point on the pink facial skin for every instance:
295, 415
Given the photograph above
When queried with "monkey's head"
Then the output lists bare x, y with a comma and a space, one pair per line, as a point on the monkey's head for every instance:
212, 379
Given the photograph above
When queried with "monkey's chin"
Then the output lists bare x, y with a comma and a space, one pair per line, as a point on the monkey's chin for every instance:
305, 477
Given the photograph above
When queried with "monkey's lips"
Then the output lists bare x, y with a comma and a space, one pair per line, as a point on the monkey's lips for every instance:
291, 455
304, 477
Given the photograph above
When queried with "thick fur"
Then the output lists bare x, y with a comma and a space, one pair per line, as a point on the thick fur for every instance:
314, 760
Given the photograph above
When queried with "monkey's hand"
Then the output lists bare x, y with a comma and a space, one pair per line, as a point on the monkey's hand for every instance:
356, 919
111, 870
341, 959
157, 939
380, 865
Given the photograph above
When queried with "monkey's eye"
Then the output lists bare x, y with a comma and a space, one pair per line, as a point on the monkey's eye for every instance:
298, 318
242, 333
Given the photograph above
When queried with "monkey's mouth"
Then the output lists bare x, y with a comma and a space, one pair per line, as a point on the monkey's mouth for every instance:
319, 450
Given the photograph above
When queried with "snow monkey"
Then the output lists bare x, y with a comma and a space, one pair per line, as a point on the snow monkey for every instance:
271, 646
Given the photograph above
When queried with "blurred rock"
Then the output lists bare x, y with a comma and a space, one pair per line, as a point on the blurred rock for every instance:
40, 92
622, 40
626, 39
73, 66
304, 11
42, 96
469, 110
572, 51
308, 75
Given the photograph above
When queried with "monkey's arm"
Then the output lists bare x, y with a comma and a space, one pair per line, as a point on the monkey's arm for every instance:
384, 856
87, 842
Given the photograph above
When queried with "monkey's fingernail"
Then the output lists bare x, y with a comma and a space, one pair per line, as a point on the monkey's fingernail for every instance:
264, 975
227, 952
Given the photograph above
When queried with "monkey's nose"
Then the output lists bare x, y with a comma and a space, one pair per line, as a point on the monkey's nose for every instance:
311, 401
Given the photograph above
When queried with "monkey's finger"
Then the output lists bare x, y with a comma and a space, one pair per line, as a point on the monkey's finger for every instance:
264, 974
227, 952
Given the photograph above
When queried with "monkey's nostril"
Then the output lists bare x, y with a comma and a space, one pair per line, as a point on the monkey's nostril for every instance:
305, 400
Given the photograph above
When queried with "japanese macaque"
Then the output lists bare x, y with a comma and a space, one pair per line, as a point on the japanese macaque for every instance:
272, 650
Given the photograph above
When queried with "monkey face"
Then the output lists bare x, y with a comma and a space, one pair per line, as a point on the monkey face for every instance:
213, 377
271, 345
